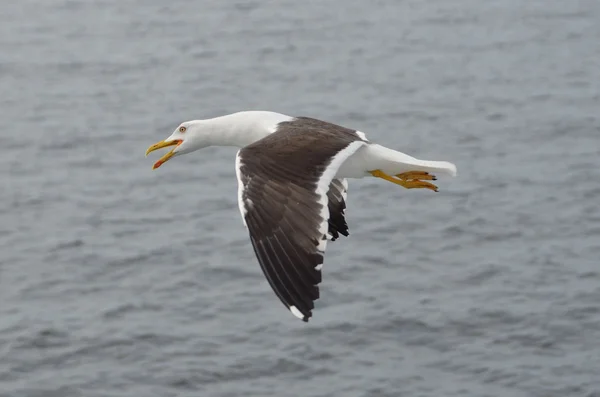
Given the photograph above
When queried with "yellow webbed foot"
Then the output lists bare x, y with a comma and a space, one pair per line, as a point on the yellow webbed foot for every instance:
417, 175
413, 184
408, 184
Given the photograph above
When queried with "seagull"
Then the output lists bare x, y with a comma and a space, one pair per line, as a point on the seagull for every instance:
292, 186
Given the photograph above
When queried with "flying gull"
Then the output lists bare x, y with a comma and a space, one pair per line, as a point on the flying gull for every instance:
292, 187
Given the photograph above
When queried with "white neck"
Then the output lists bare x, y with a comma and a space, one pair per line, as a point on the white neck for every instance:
242, 128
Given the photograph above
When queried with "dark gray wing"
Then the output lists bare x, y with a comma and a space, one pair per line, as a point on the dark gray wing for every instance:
284, 181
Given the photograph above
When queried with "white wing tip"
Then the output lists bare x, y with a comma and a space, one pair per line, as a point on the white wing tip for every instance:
296, 312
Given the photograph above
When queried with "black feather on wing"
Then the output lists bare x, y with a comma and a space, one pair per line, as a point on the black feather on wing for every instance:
287, 216
337, 206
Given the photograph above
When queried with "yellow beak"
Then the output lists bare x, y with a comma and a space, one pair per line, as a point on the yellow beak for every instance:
161, 145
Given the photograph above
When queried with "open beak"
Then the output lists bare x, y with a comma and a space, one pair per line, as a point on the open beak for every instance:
167, 156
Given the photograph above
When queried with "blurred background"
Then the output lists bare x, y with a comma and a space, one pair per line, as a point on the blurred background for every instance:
116, 280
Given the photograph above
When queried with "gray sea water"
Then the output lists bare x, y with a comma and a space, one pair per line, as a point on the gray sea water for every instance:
116, 280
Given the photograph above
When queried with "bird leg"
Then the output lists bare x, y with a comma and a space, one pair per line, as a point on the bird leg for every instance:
408, 184
417, 175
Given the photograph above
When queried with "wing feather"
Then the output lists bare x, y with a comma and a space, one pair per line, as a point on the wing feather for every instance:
290, 202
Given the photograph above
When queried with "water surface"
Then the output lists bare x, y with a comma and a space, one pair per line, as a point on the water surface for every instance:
117, 280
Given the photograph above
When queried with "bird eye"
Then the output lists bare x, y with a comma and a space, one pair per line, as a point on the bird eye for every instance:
181, 129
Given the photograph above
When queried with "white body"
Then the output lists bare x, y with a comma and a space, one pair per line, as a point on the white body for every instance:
243, 128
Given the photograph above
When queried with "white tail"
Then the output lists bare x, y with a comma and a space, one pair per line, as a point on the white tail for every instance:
393, 162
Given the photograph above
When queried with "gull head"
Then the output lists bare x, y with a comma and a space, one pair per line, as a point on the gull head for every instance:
187, 137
